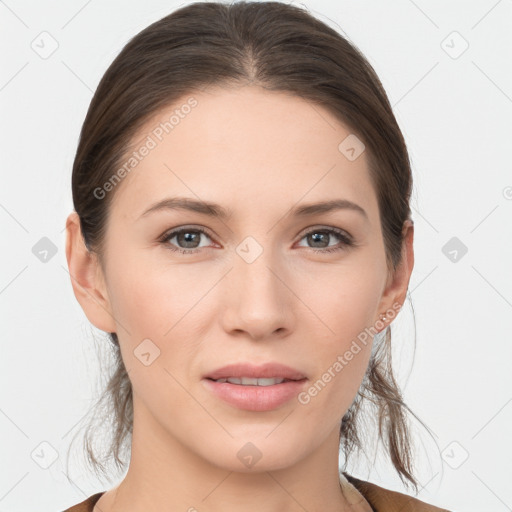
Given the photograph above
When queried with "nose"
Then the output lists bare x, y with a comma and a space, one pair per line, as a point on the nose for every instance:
258, 301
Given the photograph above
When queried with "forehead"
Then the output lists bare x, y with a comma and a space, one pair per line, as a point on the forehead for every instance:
247, 148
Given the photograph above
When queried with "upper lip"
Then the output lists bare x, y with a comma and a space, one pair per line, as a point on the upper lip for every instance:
267, 370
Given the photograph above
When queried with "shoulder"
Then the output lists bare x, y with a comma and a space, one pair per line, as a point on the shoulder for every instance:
384, 500
87, 505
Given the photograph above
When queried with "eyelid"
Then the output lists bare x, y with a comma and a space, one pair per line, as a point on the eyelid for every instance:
304, 232
316, 227
178, 229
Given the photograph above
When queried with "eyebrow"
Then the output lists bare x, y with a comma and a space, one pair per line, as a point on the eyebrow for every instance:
215, 210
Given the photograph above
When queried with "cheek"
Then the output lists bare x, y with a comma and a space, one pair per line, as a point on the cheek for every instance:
150, 301
343, 304
342, 330
154, 305
156, 312
340, 369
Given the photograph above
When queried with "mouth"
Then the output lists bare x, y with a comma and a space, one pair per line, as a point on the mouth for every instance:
251, 381
253, 375
255, 388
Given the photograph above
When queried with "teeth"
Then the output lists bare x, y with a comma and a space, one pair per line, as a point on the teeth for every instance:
249, 381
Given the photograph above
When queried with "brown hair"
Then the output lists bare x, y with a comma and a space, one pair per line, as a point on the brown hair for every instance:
282, 48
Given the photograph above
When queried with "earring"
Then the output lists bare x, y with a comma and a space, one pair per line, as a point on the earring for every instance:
383, 318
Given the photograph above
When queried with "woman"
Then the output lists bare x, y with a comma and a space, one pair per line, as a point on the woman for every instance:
242, 231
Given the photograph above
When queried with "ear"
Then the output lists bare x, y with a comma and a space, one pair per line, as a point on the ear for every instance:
87, 278
397, 284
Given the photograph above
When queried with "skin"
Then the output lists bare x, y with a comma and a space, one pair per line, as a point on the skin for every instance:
258, 153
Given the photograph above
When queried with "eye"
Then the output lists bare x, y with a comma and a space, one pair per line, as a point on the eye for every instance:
321, 236
189, 237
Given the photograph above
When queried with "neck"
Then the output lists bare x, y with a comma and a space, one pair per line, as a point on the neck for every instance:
164, 474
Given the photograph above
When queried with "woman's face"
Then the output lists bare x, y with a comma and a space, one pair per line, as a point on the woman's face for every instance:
262, 284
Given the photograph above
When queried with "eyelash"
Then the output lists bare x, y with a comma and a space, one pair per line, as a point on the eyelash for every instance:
347, 241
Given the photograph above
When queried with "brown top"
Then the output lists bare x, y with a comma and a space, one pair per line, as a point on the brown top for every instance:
379, 498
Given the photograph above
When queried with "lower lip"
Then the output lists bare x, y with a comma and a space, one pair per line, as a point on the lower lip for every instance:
256, 398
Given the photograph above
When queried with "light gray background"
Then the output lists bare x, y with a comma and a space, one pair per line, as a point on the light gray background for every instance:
455, 111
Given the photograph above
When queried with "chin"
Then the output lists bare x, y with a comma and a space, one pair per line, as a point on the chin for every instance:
254, 453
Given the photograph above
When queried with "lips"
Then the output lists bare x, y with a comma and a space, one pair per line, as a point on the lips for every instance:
276, 385
249, 371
